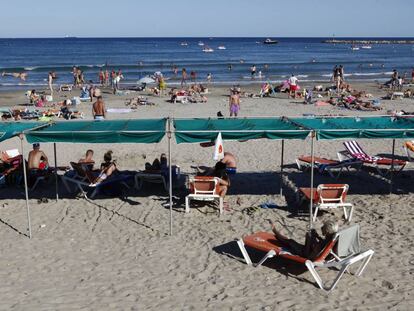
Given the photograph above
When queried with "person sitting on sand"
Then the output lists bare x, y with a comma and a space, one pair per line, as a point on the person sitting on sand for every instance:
108, 167
18, 75
37, 159
314, 243
230, 161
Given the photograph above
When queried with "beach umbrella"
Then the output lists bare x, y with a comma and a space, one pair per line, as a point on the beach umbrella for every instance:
146, 80
218, 148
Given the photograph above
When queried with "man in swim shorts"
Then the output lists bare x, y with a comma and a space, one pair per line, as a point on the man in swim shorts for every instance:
98, 109
234, 102
230, 161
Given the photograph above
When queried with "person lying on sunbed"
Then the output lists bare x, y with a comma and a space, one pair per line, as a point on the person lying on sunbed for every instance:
314, 243
108, 167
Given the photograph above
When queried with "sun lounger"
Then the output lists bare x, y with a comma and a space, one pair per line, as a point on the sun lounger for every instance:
82, 178
340, 253
203, 188
327, 196
156, 177
396, 94
330, 166
354, 151
409, 147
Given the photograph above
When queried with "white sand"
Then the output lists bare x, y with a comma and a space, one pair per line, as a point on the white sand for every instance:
114, 255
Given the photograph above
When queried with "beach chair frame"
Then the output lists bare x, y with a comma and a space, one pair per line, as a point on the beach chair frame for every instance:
341, 264
334, 168
204, 195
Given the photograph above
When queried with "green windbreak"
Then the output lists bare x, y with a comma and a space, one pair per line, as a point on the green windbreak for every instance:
206, 130
11, 129
111, 131
358, 127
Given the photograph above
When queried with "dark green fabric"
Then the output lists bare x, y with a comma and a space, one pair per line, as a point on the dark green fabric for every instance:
11, 129
358, 127
110, 131
206, 130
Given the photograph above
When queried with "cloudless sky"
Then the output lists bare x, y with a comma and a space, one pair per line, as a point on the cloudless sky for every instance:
176, 18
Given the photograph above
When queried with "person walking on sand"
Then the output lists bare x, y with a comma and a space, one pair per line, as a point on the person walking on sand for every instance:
106, 77
234, 102
50, 78
98, 109
183, 77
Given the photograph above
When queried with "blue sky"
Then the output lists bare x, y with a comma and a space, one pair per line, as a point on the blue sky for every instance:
159, 18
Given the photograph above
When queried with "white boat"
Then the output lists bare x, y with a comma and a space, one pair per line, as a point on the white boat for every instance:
208, 50
221, 47
366, 47
184, 43
354, 48
270, 41
201, 43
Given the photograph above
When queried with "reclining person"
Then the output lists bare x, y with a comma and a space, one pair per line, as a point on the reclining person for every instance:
108, 167
314, 243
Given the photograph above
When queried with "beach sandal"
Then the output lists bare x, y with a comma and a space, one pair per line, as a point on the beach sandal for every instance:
250, 210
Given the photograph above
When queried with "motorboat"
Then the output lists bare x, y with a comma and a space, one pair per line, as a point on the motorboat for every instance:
270, 41
208, 50
221, 47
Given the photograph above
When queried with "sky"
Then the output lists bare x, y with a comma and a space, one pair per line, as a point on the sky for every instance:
208, 18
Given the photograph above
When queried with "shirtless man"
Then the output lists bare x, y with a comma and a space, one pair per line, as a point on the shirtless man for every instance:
37, 159
88, 159
234, 102
17, 75
98, 109
230, 161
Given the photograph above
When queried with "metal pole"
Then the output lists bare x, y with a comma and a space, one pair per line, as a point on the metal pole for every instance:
281, 167
170, 173
392, 165
312, 168
26, 189
56, 174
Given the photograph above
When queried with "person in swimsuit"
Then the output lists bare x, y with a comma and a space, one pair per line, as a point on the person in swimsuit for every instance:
17, 75
183, 77
230, 161
98, 109
234, 102
314, 243
108, 167
88, 159
253, 71
37, 159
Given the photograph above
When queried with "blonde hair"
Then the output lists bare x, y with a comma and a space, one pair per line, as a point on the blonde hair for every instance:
331, 227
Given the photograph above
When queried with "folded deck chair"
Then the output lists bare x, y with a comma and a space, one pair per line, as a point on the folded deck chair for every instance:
82, 178
203, 188
409, 147
340, 253
327, 196
355, 151
327, 165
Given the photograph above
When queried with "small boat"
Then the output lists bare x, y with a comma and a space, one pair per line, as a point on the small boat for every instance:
201, 43
208, 50
270, 41
366, 47
221, 47
354, 48
184, 44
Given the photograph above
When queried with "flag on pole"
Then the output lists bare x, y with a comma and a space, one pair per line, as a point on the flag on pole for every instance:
218, 149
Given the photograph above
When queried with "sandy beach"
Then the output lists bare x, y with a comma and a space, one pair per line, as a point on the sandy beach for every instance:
113, 254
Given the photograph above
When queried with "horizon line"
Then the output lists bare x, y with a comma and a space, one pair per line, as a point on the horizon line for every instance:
208, 37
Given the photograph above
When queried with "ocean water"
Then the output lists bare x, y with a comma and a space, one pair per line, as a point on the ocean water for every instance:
308, 58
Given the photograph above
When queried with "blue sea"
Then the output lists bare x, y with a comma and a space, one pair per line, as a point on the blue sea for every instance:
308, 58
